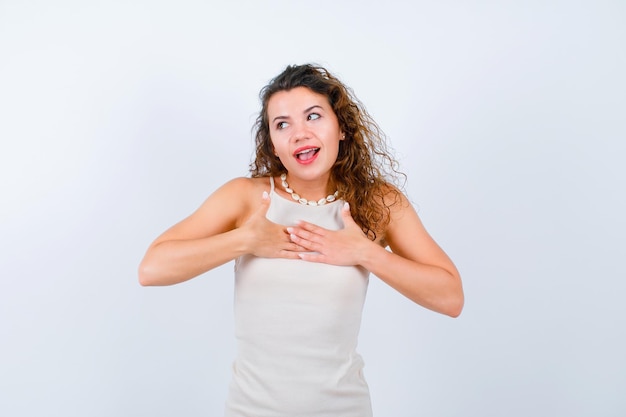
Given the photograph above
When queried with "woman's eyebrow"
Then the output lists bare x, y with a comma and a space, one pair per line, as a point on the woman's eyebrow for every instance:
312, 107
308, 109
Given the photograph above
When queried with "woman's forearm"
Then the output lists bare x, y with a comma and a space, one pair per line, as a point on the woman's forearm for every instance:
174, 261
429, 286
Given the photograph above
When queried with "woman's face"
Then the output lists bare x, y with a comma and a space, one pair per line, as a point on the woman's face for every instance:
305, 133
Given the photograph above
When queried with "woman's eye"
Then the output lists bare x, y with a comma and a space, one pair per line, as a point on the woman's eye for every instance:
314, 116
281, 125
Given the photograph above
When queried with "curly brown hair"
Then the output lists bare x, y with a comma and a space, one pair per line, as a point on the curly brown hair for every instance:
365, 173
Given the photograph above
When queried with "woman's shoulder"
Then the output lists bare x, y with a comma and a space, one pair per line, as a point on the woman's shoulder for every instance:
397, 205
241, 195
243, 190
247, 185
393, 197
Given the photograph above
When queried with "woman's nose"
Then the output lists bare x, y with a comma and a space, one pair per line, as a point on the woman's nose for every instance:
300, 132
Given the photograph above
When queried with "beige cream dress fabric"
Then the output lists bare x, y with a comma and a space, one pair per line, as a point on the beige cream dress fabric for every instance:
297, 325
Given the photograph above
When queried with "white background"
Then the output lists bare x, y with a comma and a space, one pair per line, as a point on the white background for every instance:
117, 119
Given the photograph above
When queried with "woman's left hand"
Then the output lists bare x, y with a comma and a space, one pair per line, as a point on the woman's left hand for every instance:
336, 247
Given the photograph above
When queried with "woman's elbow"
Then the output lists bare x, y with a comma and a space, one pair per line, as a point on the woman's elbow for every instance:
455, 311
455, 304
146, 275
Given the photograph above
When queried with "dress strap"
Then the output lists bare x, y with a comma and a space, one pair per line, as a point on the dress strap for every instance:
271, 185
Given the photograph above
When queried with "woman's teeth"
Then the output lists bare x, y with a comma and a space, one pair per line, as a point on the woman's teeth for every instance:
306, 155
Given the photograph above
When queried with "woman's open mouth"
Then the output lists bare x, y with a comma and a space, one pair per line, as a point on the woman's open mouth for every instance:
306, 155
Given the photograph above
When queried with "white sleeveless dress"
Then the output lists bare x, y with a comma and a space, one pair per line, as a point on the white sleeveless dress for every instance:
297, 325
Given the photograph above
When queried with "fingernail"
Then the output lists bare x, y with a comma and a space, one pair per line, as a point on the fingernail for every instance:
265, 195
346, 206
290, 230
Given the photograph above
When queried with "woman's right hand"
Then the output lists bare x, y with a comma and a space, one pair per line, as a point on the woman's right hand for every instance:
267, 239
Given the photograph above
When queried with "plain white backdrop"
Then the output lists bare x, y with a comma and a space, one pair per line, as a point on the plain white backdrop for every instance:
118, 118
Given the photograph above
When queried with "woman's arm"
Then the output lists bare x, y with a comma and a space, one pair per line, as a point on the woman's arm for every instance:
416, 266
230, 223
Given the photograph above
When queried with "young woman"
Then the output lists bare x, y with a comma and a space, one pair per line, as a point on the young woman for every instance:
305, 230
